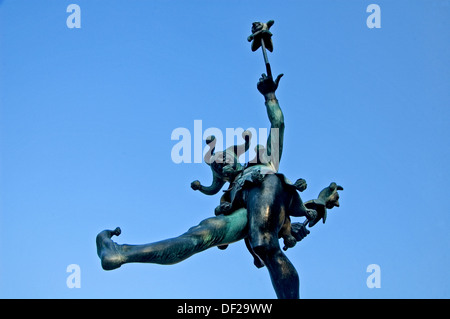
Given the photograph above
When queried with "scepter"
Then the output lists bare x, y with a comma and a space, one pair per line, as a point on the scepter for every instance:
262, 37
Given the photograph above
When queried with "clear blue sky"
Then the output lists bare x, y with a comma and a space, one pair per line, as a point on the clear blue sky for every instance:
86, 117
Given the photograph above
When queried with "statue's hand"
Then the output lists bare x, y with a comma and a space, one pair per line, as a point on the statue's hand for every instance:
195, 185
300, 184
266, 85
311, 214
299, 231
224, 208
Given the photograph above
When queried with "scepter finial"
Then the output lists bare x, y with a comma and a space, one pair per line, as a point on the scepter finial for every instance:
260, 32
262, 37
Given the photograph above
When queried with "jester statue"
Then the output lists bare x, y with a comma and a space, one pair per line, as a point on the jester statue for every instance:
256, 206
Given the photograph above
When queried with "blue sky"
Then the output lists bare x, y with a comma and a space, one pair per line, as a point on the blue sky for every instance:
86, 117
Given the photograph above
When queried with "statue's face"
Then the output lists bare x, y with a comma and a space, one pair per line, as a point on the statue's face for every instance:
333, 200
256, 26
224, 164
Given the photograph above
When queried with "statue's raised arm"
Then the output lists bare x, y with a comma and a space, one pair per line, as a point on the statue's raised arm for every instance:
274, 149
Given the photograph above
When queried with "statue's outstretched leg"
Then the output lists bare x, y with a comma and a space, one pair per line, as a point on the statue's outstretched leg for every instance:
210, 232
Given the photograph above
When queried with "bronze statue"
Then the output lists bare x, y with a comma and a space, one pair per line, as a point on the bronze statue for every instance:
256, 206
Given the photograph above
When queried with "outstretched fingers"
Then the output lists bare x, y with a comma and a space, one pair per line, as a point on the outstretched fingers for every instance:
277, 80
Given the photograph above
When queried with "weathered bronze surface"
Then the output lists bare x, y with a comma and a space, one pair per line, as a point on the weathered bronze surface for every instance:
256, 206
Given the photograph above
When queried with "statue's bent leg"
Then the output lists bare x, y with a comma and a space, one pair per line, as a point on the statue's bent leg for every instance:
210, 232
266, 209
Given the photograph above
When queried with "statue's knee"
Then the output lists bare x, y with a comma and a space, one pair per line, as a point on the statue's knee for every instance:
213, 223
266, 250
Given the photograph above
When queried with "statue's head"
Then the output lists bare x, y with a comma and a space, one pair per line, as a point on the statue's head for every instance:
258, 26
330, 195
327, 199
225, 164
